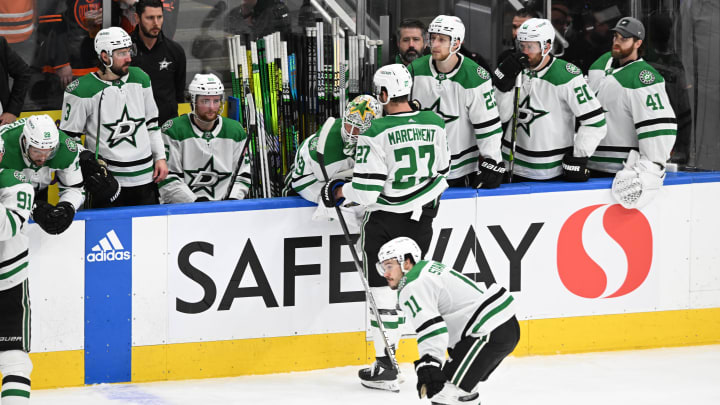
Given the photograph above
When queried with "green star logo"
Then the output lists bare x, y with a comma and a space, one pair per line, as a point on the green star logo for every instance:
124, 129
206, 178
437, 109
362, 109
527, 115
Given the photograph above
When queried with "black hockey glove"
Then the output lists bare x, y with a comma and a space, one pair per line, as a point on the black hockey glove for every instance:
328, 193
430, 376
53, 220
99, 183
490, 174
506, 72
575, 168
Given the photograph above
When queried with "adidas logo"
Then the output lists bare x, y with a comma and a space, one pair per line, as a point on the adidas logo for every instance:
108, 249
411, 120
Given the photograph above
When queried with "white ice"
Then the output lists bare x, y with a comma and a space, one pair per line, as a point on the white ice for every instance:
671, 376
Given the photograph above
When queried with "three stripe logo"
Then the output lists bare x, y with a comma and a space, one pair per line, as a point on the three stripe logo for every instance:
109, 248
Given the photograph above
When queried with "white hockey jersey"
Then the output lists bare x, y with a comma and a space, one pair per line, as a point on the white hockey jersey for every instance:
16, 201
639, 114
65, 164
305, 176
445, 306
400, 163
201, 163
465, 100
126, 116
551, 101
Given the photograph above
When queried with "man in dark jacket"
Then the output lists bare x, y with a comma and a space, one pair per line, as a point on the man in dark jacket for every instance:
11, 99
160, 57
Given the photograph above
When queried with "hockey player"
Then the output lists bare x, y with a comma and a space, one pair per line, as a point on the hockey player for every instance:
205, 149
461, 93
16, 200
639, 117
553, 96
36, 148
400, 166
115, 109
305, 176
475, 324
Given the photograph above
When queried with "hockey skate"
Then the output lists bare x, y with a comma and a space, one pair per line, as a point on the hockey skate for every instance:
380, 375
452, 395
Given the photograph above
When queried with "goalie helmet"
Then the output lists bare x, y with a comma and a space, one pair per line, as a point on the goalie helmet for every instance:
359, 114
448, 25
537, 30
395, 79
109, 39
40, 132
206, 85
398, 249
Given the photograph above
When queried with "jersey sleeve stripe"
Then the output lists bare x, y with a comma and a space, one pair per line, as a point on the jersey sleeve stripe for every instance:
431, 334
492, 313
410, 196
14, 271
129, 164
591, 114
598, 124
487, 303
667, 120
15, 259
544, 153
366, 187
497, 130
466, 280
152, 121
131, 174
488, 123
471, 149
429, 323
370, 176
624, 149
13, 226
659, 132
302, 187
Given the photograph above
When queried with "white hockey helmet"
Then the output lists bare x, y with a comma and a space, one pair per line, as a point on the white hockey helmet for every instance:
537, 30
109, 39
451, 26
359, 114
398, 249
40, 132
206, 84
395, 79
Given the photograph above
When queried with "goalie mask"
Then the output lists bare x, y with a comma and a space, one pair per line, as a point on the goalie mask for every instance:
398, 249
40, 138
395, 79
110, 39
358, 116
537, 30
206, 85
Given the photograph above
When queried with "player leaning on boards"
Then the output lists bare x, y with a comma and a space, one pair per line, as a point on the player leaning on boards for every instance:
639, 117
115, 109
400, 166
475, 324
553, 95
305, 176
461, 93
36, 148
207, 157
16, 199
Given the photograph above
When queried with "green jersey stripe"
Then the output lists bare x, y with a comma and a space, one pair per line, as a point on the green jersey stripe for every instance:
598, 124
366, 187
659, 132
485, 135
519, 162
490, 314
465, 280
463, 163
12, 221
431, 334
15, 393
13, 271
132, 174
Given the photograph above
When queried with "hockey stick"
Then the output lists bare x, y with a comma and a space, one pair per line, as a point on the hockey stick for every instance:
237, 169
322, 138
513, 134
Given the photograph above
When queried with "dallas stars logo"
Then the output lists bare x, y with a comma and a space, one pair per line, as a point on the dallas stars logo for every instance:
362, 109
206, 178
446, 117
164, 64
527, 115
124, 129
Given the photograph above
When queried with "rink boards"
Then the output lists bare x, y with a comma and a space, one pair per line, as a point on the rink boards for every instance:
251, 287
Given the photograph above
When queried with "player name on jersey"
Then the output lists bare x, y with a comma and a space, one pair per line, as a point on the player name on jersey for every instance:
412, 134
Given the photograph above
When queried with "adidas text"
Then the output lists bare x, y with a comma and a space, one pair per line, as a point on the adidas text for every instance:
108, 256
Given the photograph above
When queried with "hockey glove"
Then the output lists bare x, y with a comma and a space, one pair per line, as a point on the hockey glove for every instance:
506, 72
53, 220
328, 193
490, 174
575, 168
99, 183
430, 376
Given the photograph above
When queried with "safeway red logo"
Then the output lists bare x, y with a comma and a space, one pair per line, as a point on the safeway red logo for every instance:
581, 275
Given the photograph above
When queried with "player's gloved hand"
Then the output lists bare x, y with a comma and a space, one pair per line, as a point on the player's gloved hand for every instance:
53, 219
328, 193
202, 199
430, 376
102, 185
575, 168
489, 175
506, 72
